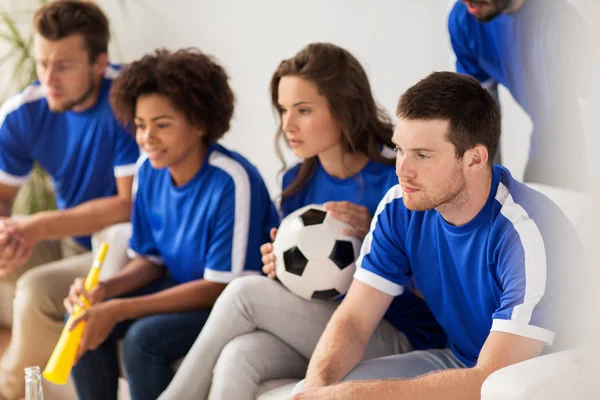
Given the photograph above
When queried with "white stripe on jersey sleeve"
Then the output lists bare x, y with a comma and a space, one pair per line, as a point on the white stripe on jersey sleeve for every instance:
30, 94
241, 225
153, 259
378, 282
111, 72
368, 277
534, 250
395, 192
522, 329
13, 180
225, 276
121, 171
134, 187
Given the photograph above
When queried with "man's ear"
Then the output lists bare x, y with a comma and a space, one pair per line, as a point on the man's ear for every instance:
476, 158
101, 63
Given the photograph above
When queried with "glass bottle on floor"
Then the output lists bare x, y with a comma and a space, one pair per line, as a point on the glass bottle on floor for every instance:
33, 384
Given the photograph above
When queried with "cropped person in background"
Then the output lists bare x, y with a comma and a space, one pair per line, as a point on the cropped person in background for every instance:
536, 49
63, 122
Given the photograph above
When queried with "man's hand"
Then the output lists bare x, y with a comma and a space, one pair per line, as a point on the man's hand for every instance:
341, 391
17, 240
24, 228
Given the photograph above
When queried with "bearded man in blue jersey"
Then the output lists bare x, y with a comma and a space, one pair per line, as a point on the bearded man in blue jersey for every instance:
537, 50
63, 122
490, 256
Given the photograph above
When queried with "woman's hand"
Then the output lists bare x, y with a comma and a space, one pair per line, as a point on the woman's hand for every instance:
268, 258
97, 295
357, 216
100, 319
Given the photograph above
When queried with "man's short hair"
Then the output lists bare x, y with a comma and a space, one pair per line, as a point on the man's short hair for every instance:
59, 19
472, 112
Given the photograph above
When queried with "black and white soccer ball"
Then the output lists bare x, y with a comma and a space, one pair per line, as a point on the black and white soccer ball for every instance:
313, 259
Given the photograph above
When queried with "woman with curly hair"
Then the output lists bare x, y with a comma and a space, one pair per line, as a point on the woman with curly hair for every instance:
200, 215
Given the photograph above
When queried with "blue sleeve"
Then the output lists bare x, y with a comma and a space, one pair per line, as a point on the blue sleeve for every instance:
228, 248
466, 61
126, 153
382, 263
527, 307
15, 161
141, 243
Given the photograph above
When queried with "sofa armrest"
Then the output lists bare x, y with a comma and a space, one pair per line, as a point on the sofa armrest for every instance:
561, 375
117, 236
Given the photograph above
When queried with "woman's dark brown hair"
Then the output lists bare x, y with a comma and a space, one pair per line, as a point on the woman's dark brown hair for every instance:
344, 83
194, 83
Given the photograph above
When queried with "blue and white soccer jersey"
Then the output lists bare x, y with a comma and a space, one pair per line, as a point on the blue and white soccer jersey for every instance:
84, 152
407, 313
210, 228
503, 271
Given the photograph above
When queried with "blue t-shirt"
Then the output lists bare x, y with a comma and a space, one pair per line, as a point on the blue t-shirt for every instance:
535, 53
212, 227
83, 152
366, 188
501, 271
408, 313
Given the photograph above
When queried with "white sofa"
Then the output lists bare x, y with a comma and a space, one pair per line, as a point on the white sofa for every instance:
547, 377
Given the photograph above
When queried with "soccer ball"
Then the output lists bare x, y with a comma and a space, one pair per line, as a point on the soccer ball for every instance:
313, 259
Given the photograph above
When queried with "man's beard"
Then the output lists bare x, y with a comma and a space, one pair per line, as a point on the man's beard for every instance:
451, 196
92, 86
499, 7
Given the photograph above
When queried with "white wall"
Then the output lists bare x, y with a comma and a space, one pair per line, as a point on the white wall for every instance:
398, 42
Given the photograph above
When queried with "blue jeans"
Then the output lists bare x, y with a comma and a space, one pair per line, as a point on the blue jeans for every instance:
151, 345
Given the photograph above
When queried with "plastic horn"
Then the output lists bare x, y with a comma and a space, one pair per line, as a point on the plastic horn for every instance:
62, 358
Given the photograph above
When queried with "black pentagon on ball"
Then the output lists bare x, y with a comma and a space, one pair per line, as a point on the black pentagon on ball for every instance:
294, 261
325, 294
313, 217
342, 254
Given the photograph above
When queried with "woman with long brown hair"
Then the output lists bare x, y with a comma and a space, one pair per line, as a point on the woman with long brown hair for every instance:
258, 330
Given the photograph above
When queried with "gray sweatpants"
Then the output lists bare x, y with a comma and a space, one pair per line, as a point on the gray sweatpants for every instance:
406, 366
258, 331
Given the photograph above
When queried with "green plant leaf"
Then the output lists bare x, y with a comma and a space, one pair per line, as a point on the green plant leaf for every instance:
14, 30
8, 55
8, 38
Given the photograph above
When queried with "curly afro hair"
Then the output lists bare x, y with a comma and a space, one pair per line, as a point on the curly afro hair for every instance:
194, 83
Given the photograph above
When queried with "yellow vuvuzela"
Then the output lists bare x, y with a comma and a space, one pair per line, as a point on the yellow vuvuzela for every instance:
62, 358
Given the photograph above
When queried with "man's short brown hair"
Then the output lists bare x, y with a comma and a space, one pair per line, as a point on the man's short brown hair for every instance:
472, 112
59, 19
